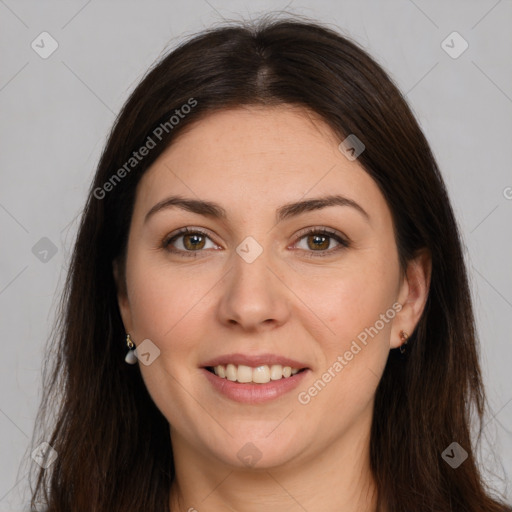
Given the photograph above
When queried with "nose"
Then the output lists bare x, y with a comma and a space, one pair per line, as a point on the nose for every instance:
254, 296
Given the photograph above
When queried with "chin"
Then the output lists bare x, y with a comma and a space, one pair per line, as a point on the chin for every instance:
257, 452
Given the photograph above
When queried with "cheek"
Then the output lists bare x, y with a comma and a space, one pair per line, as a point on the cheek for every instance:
354, 301
359, 311
167, 307
161, 300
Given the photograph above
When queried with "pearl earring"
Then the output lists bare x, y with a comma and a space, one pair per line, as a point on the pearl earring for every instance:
130, 358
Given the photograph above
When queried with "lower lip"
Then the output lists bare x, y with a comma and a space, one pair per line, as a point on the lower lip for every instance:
254, 393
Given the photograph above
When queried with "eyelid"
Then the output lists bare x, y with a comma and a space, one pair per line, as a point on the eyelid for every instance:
321, 229
184, 231
342, 239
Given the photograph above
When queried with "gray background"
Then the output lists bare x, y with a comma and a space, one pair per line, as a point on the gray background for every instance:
56, 113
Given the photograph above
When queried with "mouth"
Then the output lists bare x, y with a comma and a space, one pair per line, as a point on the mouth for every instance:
254, 378
261, 374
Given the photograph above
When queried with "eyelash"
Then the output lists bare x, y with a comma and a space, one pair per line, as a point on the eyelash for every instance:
344, 243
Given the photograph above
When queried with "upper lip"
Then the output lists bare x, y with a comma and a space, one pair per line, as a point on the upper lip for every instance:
254, 360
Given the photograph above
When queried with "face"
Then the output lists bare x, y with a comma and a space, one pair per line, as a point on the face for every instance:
302, 302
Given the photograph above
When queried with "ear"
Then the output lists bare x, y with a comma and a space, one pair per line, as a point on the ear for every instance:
412, 296
122, 294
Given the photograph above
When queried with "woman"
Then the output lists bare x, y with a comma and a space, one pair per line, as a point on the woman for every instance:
268, 227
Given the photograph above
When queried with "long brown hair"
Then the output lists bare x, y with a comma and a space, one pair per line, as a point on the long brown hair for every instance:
113, 443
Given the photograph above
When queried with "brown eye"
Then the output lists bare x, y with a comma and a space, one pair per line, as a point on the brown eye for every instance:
194, 241
319, 241
187, 241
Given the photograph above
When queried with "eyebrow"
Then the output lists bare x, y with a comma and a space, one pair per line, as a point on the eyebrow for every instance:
215, 211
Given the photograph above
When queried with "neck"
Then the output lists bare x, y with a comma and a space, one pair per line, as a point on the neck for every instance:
337, 478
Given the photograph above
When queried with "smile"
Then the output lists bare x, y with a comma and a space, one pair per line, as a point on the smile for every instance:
259, 375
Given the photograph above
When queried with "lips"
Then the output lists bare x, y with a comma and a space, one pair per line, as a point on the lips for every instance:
254, 361
254, 378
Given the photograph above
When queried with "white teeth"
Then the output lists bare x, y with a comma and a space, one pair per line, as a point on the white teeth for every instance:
244, 373
231, 372
276, 372
259, 375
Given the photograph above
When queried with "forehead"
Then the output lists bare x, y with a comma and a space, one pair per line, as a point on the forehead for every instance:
257, 157
248, 133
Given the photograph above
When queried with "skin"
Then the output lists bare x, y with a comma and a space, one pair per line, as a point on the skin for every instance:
252, 161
